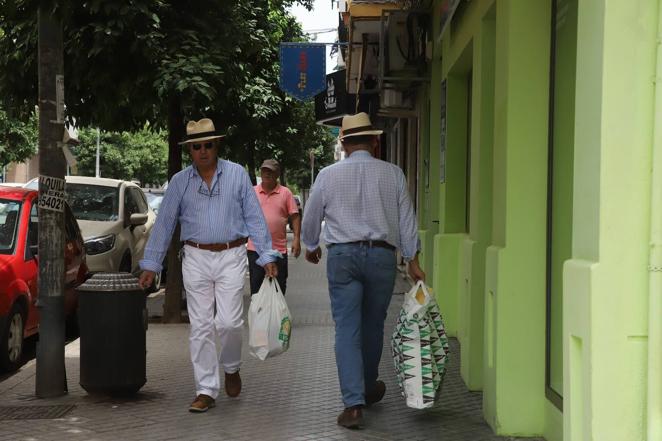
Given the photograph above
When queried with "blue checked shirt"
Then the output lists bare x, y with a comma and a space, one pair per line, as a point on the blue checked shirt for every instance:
229, 211
361, 198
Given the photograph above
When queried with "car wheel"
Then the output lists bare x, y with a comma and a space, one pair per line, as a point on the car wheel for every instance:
11, 340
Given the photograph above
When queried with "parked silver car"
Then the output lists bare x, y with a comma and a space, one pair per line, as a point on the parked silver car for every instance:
115, 220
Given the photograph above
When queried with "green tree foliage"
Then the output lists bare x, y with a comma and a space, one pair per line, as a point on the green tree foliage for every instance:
128, 62
166, 62
139, 155
18, 138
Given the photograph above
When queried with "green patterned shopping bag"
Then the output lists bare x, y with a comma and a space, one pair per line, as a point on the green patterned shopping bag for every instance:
420, 348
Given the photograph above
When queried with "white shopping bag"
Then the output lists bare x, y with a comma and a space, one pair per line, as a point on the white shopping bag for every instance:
269, 321
420, 348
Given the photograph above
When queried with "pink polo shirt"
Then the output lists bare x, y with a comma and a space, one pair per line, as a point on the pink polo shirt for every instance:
277, 206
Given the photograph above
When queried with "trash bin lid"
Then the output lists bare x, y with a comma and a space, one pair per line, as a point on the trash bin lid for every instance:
118, 282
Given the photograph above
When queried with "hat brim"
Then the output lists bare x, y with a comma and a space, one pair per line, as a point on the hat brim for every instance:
367, 132
204, 138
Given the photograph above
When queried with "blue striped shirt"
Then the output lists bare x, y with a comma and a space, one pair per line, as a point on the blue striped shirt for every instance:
229, 211
361, 198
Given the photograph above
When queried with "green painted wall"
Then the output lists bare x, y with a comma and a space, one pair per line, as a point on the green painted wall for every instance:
514, 400
490, 271
605, 290
472, 297
427, 209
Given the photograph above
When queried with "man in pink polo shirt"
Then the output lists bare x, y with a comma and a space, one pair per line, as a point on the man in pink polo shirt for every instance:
278, 206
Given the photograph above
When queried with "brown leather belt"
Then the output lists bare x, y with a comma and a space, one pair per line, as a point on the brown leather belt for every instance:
217, 246
367, 243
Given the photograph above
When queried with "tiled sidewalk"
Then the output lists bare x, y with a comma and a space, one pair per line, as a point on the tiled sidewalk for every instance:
294, 396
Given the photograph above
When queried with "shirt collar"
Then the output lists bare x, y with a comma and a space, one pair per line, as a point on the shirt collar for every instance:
360, 154
275, 190
219, 169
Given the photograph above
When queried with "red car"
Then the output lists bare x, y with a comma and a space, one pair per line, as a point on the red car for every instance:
19, 268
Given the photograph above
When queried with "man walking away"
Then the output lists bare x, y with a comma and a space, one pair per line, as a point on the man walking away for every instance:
278, 206
215, 204
368, 214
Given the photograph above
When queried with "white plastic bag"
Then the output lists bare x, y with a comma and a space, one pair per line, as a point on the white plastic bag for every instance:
420, 348
269, 321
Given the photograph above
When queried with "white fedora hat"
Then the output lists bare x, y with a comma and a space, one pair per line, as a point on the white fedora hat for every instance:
203, 130
357, 125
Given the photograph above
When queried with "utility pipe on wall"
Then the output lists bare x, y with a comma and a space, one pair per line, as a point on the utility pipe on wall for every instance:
655, 259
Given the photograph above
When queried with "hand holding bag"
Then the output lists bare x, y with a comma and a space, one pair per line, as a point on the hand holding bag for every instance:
269, 321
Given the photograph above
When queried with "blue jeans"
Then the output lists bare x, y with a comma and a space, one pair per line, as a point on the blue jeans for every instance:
361, 280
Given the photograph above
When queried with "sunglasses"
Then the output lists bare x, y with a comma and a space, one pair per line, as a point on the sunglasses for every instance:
206, 145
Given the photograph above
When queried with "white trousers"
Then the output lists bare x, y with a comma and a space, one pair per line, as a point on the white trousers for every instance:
214, 283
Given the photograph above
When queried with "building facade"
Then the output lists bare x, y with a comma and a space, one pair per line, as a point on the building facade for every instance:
530, 132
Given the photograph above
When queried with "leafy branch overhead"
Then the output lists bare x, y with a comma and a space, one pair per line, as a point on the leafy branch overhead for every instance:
127, 62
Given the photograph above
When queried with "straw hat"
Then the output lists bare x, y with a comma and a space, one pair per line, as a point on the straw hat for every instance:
203, 130
357, 125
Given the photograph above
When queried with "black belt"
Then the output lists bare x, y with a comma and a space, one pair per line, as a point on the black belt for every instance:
367, 243
217, 246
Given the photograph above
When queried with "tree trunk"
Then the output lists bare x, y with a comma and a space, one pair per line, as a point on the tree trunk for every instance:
251, 163
51, 378
172, 306
283, 175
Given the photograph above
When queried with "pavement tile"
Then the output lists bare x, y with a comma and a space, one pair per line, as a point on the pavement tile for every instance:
293, 397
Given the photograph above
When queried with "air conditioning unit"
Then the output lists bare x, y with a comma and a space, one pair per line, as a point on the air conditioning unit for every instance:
403, 38
399, 43
395, 99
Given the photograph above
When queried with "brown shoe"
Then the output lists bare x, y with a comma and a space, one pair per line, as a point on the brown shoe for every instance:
351, 418
202, 403
232, 384
376, 393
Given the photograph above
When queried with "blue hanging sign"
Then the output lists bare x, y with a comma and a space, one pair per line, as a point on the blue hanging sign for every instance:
302, 69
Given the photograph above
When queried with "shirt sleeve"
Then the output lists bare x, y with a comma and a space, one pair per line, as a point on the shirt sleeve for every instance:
255, 223
311, 227
409, 243
161, 234
291, 203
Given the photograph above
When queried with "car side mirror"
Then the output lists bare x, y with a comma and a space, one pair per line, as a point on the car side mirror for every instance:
138, 219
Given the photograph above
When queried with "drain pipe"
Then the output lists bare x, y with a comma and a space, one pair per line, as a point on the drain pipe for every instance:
655, 263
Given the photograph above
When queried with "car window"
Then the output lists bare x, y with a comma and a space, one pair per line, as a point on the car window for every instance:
9, 215
70, 224
139, 196
93, 202
33, 229
130, 203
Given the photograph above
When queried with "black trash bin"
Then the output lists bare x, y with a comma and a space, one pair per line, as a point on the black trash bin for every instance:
113, 323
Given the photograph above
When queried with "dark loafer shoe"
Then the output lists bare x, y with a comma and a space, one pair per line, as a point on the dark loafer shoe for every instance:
202, 403
232, 384
376, 393
351, 418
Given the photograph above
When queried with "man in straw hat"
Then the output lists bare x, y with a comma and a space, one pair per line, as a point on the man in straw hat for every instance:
215, 204
368, 215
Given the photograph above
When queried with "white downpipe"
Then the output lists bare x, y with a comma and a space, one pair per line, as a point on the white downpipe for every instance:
655, 262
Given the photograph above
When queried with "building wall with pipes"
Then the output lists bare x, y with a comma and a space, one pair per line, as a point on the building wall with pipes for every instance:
532, 142
542, 169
